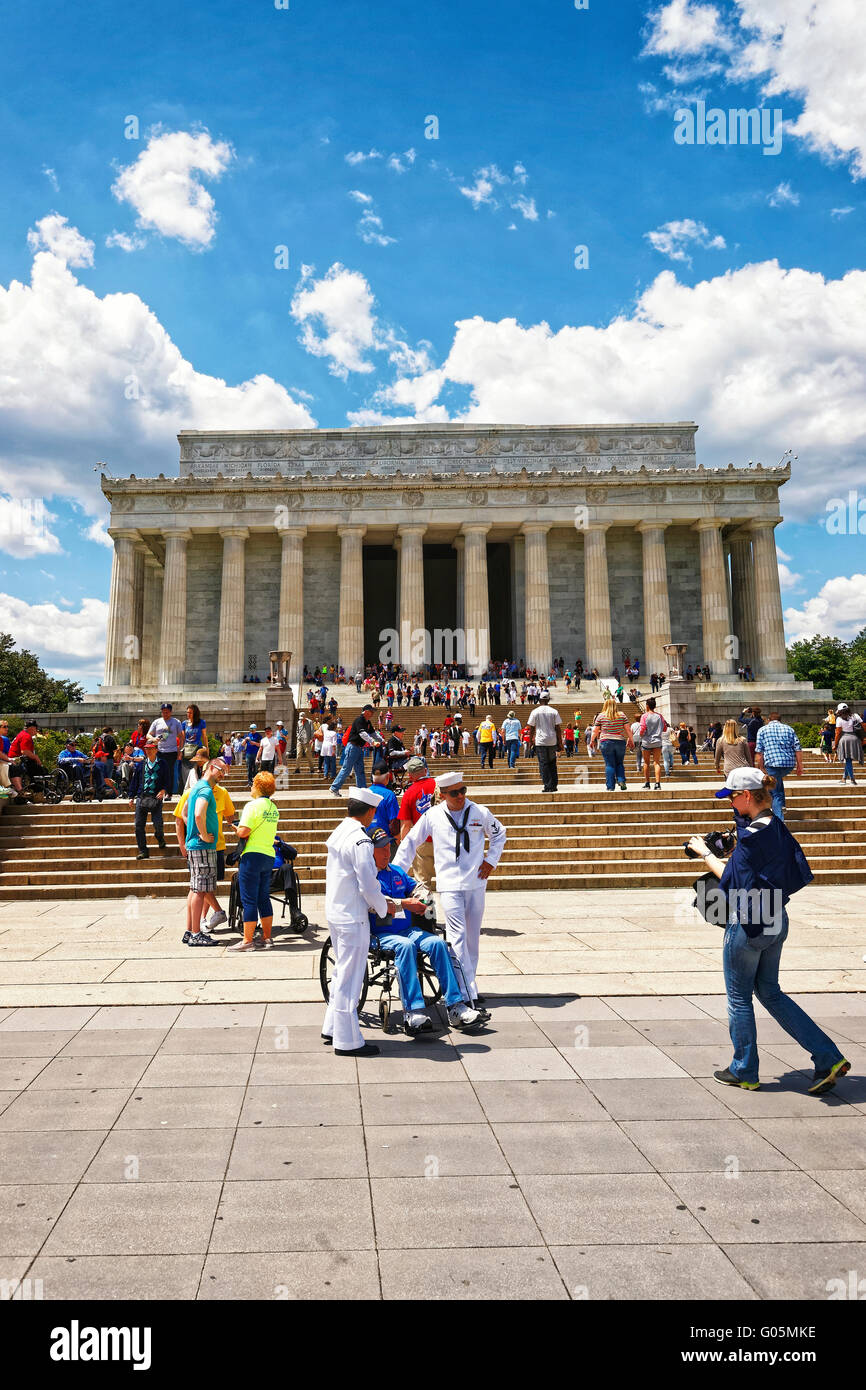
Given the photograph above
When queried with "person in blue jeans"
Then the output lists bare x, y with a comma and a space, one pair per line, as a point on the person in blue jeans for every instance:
362, 736
511, 734
765, 868
778, 753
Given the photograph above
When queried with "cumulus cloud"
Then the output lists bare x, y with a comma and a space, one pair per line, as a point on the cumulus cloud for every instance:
494, 189
96, 532
812, 53
370, 228
673, 238
71, 644
761, 357
53, 233
400, 164
837, 610
359, 157
338, 321
84, 377
164, 185
124, 242
25, 526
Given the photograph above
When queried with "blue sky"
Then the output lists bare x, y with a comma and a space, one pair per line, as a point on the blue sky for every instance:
427, 278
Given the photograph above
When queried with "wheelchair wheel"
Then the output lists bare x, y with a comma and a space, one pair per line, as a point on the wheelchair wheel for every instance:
300, 922
326, 974
385, 1013
430, 986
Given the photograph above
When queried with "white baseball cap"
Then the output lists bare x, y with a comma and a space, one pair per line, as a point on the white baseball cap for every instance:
252, 726
742, 779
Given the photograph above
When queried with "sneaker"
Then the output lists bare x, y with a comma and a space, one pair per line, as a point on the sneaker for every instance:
185, 939
242, 946
201, 938
335, 792
217, 920
623, 787
464, 1016
416, 1021
657, 787
143, 854
727, 1078
825, 1080
646, 786
265, 944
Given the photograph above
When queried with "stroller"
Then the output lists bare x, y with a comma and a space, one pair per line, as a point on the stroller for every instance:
285, 889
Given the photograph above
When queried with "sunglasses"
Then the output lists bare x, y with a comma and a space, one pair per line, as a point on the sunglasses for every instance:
455, 791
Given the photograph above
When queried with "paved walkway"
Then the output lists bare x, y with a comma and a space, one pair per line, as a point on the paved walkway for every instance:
577, 1149
629, 942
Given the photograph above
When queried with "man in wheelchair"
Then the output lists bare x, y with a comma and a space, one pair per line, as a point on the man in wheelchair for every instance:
398, 934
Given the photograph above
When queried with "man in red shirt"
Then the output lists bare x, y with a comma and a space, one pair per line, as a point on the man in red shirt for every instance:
418, 798
23, 750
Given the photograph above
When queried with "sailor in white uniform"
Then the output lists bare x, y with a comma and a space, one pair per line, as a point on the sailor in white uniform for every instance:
352, 890
458, 828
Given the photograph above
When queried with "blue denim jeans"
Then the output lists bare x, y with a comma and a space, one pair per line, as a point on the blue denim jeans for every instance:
613, 752
751, 966
778, 792
329, 765
512, 748
353, 762
254, 882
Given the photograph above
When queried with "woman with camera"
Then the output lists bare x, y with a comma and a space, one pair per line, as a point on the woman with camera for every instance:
764, 869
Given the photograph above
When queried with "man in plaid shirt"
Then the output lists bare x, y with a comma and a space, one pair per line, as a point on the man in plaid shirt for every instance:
778, 753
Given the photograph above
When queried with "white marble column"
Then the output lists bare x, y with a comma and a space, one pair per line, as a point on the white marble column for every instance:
172, 645
599, 643
120, 638
769, 624
351, 641
151, 621
459, 544
411, 610
656, 602
715, 613
230, 661
743, 599
141, 551
290, 637
539, 648
476, 602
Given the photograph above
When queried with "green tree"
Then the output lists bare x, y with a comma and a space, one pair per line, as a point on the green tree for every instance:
823, 660
26, 688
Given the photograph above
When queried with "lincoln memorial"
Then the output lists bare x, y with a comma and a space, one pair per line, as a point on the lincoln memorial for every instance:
595, 542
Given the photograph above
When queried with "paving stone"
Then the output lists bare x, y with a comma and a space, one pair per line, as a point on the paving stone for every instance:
25, 1020
27, 1214
695, 1032
420, 1103
462, 1211
801, 1271
281, 1039
89, 1073
49, 1156
147, 1018
181, 1107
136, 1218
17, 1072
488, 1274
221, 1015
600, 1209
119, 1278
294, 1015
255, 1217
623, 1061
845, 1186
699, 1061
657, 1099
780, 1097
62, 1110
512, 1064
569, 1033
765, 1207
319, 1068
422, 1151
708, 1146
652, 1007
298, 1152
518, 1101
161, 1155
578, 1010
113, 1042
299, 1276
198, 1069
562, 1147
43, 1042
810, 1143
404, 1061
282, 1106
671, 1272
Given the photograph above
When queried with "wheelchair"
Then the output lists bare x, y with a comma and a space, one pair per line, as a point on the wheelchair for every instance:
285, 889
52, 786
380, 973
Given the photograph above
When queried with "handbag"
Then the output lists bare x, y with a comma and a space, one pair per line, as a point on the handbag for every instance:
711, 900
148, 802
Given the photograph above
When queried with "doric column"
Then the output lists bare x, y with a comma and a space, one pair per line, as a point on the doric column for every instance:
151, 621
411, 589
459, 544
599, 643
656, 604
290, 637
715, 612
172, 645
475, 600
743, 599
230, 661
351, 642
769, 625
120, 638
539, 648
141, 551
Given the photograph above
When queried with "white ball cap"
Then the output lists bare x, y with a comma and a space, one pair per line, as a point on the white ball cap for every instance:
449, 779
364, 794
252, 726
742, 779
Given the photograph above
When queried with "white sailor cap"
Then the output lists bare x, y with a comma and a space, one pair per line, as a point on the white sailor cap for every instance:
449, 779
364, 794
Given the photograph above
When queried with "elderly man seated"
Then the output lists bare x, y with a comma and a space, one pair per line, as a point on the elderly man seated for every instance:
398, 934
74, 763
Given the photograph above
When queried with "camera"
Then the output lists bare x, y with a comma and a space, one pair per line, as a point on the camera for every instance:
719, 842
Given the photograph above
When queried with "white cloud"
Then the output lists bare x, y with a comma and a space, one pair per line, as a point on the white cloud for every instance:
85, 378
337, 321
53, 233
685, 27
492, 188
359, 157
96, 532
837, 610
837, 213
526, 206
360, 197
783, 196
163, 185
396, 162
807, 51
787, 579
71, 644
124, 242
673, 238
25, 525
370, 228
51, 176
761, 357
482, 190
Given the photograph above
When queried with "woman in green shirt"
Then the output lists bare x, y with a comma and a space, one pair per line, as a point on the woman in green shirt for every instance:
257, 830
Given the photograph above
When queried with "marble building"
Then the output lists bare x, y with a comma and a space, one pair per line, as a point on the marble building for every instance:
597, 542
